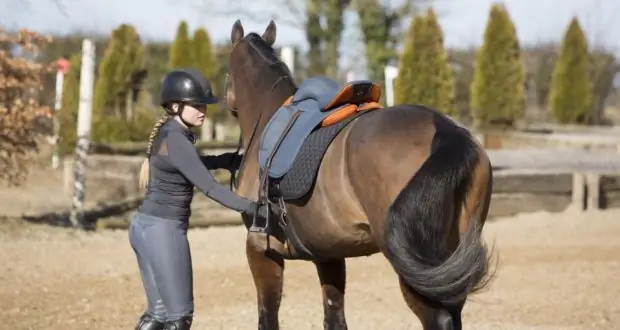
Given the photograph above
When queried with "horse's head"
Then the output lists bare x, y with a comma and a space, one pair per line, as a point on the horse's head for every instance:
258, 82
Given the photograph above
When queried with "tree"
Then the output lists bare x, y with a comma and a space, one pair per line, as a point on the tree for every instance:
571, 89
435, 82
379, 24
498, 87
120, 71
180, 51
203, 52
204, 60
324, 25
21, 80
314, 36
405, 89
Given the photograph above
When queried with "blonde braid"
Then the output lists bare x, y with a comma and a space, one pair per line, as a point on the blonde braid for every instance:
145, 168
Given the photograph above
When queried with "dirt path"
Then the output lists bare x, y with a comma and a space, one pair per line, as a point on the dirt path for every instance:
557, 272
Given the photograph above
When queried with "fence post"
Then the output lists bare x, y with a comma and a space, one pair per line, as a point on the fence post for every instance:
579, 192
87, 76
390, 73
287, 54
594, 189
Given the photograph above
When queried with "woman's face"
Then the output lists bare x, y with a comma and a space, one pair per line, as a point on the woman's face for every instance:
192, 114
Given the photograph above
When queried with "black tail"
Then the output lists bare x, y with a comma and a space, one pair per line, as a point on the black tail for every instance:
417, 225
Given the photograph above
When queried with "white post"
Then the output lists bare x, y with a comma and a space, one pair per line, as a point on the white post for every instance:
59, 82
390, 72
219, 132
350, 75
87, 77
206, 131
287, 53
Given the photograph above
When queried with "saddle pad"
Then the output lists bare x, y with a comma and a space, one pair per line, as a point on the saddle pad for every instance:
299, 180
308, 118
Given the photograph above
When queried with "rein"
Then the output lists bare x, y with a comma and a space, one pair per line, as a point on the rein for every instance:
233, 176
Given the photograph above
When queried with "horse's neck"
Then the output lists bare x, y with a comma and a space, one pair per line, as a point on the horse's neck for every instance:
255, 124
262, 114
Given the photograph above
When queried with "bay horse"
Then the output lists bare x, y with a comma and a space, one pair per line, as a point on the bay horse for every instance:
404, 180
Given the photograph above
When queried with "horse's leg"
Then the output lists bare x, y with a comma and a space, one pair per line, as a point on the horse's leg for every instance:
432, 317
333, 277
267, 270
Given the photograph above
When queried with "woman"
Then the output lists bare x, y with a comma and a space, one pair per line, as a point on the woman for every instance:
158, 231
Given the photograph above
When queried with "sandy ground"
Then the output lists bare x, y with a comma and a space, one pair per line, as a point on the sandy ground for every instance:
557, 271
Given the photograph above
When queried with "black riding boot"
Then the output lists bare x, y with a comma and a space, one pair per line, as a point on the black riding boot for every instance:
184, 323
147, 322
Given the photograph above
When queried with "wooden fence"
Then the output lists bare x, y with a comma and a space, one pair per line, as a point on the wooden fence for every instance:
112, 186
112, 175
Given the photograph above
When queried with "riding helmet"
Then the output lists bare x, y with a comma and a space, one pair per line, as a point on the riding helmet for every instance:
186, 86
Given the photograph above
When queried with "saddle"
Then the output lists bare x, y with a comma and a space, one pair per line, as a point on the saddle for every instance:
318, 102
319, 109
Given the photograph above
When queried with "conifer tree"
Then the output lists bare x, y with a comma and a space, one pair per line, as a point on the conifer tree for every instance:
204, 60
410, 64
435, 82
203, 54
571, 90
181, 55
113, 96
497, 90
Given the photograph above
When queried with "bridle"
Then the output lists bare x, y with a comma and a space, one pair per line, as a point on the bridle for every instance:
235, 111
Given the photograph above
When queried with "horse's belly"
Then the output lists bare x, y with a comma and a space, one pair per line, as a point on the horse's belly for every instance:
332, 223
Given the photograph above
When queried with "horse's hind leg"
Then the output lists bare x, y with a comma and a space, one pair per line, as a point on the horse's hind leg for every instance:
267, 271
333, 277
432, 317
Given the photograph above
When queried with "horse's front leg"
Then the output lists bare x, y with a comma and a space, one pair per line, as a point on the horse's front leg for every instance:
333, 277
267, 269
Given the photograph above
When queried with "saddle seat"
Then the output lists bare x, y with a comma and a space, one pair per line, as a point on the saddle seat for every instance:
329, 94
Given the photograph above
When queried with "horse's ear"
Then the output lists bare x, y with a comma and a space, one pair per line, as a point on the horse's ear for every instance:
237, 32
270, 33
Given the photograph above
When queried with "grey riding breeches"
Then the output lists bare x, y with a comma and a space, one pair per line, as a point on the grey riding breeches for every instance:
164, 259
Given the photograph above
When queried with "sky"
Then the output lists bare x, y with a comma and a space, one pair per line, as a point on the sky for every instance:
463, 21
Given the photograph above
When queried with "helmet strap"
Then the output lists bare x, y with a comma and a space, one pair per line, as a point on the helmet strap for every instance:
180, 114
181, 108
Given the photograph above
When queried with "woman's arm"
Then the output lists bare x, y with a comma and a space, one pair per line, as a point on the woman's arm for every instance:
184, 156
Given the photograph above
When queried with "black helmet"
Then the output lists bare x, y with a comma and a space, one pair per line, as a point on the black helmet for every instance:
188, 86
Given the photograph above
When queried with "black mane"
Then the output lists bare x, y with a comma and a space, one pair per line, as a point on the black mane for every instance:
262, 49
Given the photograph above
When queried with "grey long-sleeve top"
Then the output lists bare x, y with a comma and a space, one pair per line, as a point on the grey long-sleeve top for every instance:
176, 168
